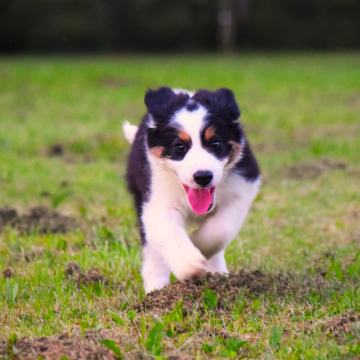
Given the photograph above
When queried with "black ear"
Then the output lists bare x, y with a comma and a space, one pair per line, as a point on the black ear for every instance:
221, 103
226, 103
157, 100
163, 102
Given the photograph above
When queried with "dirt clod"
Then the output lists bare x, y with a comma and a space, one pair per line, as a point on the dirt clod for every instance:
39, 218
56, 150
92, 276
64, 183
114, 82
342, 324
7, 214
8, 273
314, 170
57, 347
72, 269
227, 288
45, 193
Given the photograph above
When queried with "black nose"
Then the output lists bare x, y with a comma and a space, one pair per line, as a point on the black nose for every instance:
203, 177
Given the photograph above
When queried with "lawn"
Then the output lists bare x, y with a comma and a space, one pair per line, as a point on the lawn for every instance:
70, 256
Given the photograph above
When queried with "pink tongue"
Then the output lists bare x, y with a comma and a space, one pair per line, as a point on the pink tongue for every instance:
200, 200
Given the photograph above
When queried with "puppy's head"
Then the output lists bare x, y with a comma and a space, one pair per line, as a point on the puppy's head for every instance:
197, 136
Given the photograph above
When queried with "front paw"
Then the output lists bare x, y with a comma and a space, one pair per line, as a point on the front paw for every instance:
189, 264
155, 283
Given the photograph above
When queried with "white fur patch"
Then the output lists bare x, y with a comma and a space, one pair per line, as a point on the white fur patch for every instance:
151, 122
129, 131
183, 91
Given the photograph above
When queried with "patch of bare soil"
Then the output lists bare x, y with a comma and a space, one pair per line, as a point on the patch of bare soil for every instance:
71, 346
56, 150
68, 154
228, 287
114, 82
105, 146
314, 170
40, 219
56, 347
92, 276
8, 273
343, 324
353, 99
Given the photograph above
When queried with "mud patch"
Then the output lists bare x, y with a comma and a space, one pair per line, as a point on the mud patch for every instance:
57, 347
92, 276
343, 324
38, 219
115, 82
56, 150
353, 100
314, 170
228, 287
8, 273
98, 146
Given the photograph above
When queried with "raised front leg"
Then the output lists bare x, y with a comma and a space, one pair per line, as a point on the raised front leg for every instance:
168, 242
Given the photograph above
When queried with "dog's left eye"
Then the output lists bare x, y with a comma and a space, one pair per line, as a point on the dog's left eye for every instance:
215, 144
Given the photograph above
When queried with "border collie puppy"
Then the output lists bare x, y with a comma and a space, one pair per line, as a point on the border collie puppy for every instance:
190, 165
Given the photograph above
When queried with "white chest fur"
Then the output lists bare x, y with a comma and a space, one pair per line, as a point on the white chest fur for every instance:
233, 198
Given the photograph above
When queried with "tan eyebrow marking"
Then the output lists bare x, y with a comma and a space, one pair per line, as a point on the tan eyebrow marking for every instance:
209, 133
157, 151
184, 136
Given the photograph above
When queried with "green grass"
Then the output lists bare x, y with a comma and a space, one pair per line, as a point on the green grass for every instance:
301, 113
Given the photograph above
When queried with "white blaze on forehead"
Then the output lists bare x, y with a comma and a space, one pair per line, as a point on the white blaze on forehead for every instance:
197, 158
183, 91
191, 121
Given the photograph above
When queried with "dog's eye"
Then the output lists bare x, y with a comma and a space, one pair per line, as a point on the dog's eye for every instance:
180, 148
215, 144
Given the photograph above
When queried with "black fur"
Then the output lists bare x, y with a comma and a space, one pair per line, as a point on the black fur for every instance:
247, 167
138, 173
220, 103
225, 133
191, 105
163, 103
167, 137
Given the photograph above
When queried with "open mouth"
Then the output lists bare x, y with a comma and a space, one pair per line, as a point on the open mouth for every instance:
200, 200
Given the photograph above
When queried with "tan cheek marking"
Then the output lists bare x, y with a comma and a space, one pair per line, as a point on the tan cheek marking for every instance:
157, 151
209, 133
235, 151
184, 136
